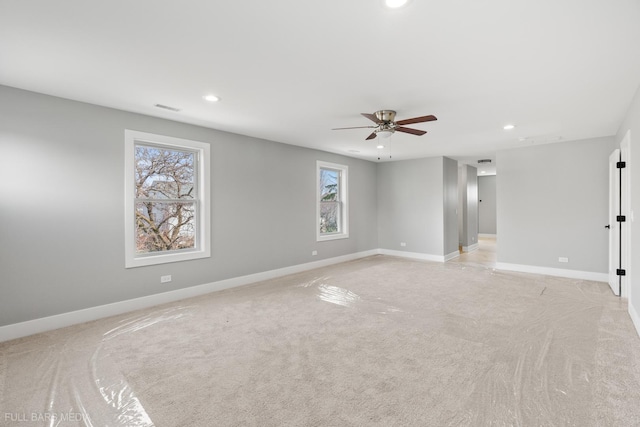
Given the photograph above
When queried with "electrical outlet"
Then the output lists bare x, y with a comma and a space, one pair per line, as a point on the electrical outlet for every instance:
563, 259
403, 244
314, 253
165, 279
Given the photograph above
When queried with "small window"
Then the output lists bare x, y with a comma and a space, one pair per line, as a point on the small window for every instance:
167, 199
332, 208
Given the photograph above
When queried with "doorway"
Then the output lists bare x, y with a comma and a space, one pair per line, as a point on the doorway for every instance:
487, 206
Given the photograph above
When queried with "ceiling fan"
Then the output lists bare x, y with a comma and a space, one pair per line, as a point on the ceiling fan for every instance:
386, 124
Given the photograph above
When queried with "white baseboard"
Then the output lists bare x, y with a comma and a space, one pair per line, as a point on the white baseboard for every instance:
487, 236
412, 255
559, 272
30, 327
452, 255
635, 318
471, 248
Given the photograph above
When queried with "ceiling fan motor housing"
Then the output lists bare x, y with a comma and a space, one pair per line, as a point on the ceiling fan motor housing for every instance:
386, 115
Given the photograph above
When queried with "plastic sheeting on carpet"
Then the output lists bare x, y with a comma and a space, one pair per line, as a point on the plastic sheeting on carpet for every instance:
378, 341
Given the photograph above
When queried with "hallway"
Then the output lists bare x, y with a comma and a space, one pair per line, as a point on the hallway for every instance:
485, 256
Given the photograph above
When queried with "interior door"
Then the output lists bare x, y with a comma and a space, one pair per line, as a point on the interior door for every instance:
614, 229
625, 209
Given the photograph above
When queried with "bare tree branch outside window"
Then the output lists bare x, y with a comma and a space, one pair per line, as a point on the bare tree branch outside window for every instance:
329, 201
165, 199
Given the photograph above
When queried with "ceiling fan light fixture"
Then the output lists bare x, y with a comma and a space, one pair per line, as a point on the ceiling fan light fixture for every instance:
385, 133
394, 4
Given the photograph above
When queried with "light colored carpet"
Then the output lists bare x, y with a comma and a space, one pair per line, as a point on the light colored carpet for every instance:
380, 341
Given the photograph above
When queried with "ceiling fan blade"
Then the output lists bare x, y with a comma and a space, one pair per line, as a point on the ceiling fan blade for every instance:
411, 131
357, 127
422, 119
372, 117
373, 135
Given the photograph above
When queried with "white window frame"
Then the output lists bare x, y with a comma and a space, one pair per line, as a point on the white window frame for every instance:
343, 191
203, 211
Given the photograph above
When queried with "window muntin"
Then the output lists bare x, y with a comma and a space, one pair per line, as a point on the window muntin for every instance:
332, 217
166, 208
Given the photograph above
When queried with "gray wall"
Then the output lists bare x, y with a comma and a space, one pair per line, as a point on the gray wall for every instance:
632, 122
410, 205
552, 201
62, 219
471, 211
487, 204
468, 205
450, 205
462, 171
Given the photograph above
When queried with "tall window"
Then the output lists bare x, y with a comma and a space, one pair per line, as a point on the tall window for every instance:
166, 206
332, 208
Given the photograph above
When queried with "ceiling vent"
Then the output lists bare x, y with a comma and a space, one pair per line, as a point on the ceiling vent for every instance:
484, 161
166, 107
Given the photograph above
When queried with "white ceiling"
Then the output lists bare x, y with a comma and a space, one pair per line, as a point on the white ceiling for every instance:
290, 70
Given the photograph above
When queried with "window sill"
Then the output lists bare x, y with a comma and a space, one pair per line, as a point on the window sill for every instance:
336, 236
145, 260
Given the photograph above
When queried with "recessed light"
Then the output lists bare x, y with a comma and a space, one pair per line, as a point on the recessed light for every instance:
509, 127
211, 98
394, 4
380, 147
